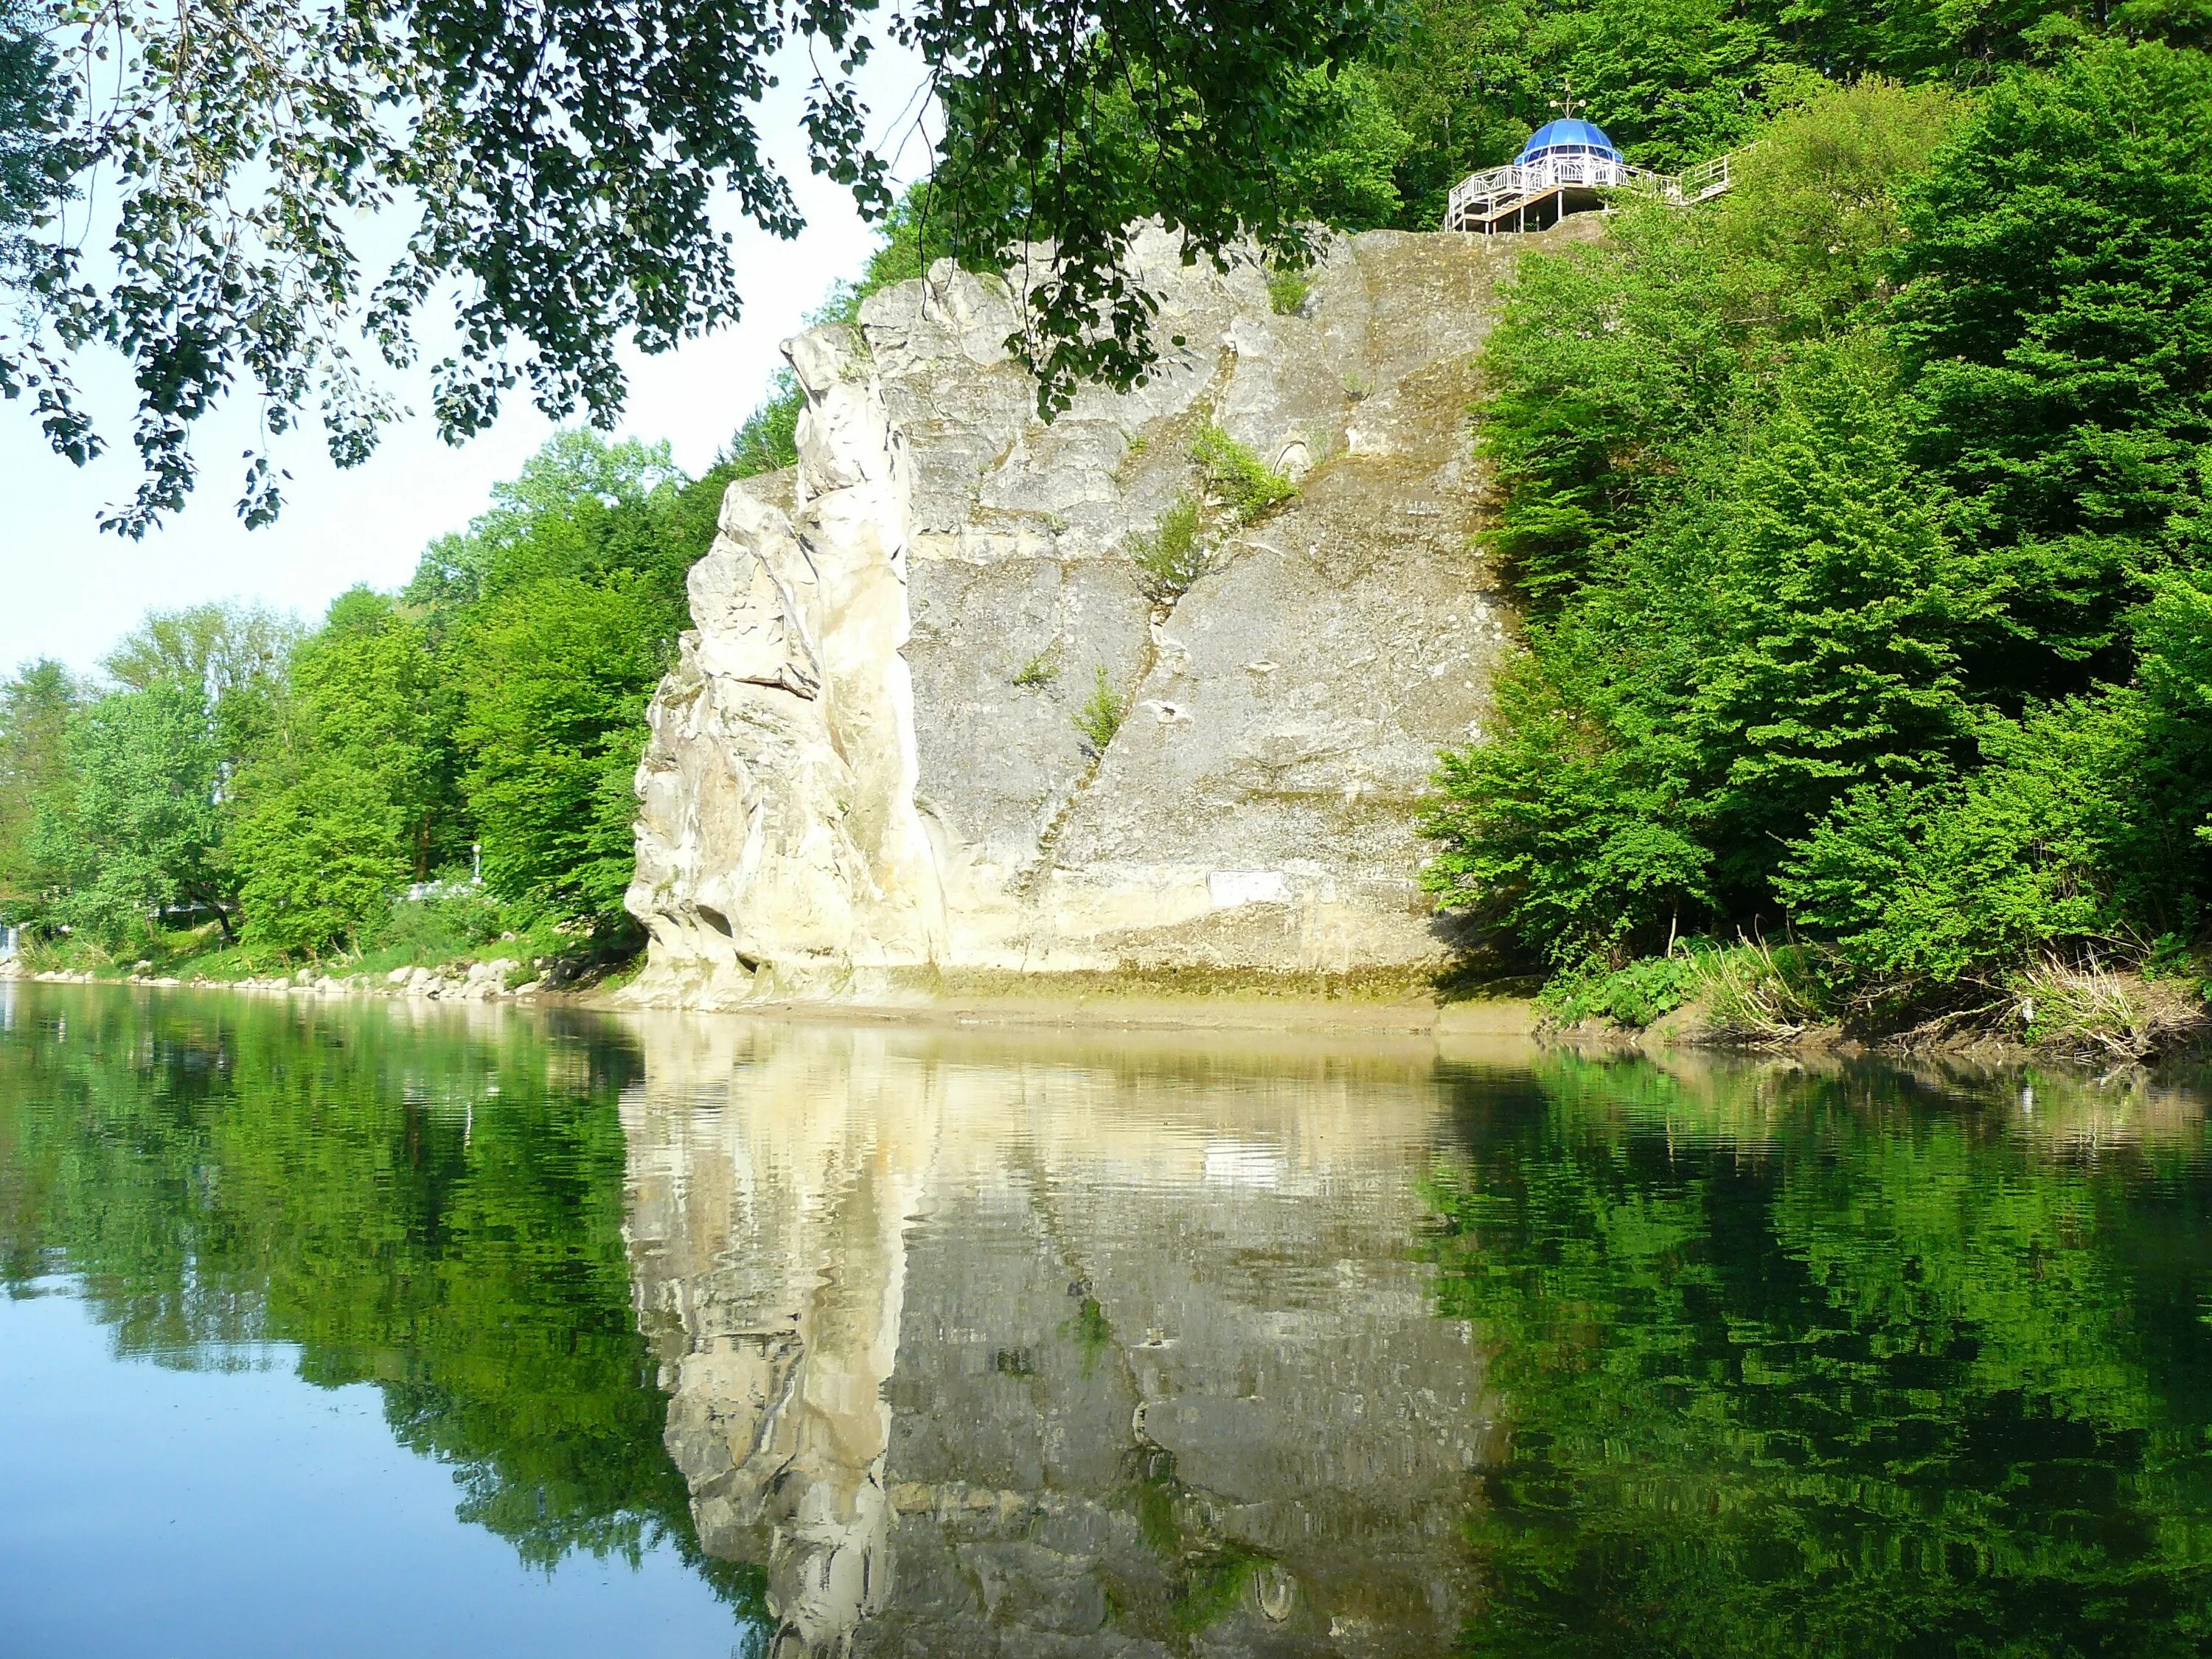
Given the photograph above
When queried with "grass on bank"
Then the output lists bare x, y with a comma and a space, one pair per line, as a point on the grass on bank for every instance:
1755, 994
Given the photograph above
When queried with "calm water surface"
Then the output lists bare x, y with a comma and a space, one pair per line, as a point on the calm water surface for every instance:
336, 1329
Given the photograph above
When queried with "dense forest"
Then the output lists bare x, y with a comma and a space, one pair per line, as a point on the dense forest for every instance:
1858, 520
1861, 525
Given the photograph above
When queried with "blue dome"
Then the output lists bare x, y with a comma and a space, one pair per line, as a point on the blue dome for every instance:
1573, 135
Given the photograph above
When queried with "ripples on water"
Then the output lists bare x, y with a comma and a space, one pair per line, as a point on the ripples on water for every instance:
338, 1328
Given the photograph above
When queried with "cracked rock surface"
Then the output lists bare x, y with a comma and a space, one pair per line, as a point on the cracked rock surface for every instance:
871, 756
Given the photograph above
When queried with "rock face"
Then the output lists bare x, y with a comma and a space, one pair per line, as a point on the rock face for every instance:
869, 757
989, 1350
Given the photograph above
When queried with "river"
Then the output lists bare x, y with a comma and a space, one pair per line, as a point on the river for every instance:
336, 1328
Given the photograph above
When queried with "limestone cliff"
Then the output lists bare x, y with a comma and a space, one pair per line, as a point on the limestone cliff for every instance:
869, 759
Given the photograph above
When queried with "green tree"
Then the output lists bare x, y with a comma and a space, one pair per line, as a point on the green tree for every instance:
1838, 609
36, 709
371, 695
556, 676
1345, 174
141, 826
1787, 629
1858, 517
236, 655
2084, 826
320, 858
2057, 324
522, 534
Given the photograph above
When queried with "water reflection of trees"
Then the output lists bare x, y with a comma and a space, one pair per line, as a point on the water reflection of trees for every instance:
1839, 1361
436, 1209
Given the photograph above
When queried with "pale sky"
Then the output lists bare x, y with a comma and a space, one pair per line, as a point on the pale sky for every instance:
67, 590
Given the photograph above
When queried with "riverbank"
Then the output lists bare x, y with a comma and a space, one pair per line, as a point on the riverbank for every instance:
2107, 1019
491, 981
1134, 1001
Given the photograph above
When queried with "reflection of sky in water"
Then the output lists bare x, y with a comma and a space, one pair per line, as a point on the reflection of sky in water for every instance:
233, 1509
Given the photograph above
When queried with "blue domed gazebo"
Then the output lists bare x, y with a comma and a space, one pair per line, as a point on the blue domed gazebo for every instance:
1562, 169
1566, 166
1571, 137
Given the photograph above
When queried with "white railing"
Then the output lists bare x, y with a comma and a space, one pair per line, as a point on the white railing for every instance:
1503, 189
1706, 179
1481, 201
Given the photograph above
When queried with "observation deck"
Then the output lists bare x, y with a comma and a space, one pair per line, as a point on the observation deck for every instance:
1538, 190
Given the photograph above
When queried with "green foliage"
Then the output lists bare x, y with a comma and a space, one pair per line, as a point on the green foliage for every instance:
1814, 227
1174, 555
1039, 671
234, 654
572, 203
1286, 290
1860, 516
768, 440
554, 678
1638, 994
1609, 360
1100, 717
546, 627
499, 701
1243, 483
1748, 992
371, 693
222, 648
1676, 82
451, 920
541, 522
320, 858
915, 236
2062, 365
36, 160
1785, 628
141, 825
1568, 841
36, 710
1345, 172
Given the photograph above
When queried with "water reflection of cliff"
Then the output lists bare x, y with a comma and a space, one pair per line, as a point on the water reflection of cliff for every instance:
1055, 1352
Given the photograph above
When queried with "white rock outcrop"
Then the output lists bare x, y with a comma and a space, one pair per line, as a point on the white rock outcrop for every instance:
868, 767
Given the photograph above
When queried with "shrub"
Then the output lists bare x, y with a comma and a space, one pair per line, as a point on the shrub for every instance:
1039, 671
1237, 479
1754, 995
1100, 717
1927, 889
450, 921
1287, 290
1634, 995
1174, 554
